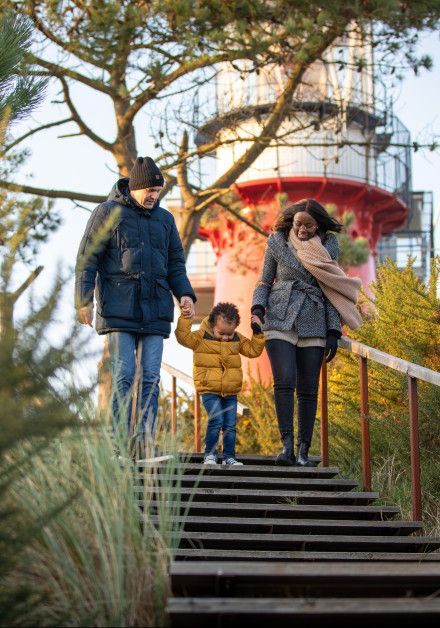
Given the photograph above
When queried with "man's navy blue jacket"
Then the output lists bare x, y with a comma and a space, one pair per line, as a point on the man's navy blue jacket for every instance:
136, 258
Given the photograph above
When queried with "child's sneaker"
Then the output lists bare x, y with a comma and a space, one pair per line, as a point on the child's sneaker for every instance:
232, 462
210, 459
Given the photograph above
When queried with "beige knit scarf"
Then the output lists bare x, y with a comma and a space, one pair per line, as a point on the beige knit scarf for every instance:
342, 291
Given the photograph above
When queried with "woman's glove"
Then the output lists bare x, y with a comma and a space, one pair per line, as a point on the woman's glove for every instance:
331, 346
259, 311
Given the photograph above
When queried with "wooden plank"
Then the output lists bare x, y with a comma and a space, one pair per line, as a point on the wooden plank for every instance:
287, 484
316, 542
264, 570
271, 579
288, 511
199, 611
190, 554
238, 495
247, 471
247, 459
274, 526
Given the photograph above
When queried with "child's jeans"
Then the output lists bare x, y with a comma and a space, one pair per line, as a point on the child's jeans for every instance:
222, 415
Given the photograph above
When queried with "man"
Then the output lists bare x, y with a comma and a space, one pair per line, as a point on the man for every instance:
132, 250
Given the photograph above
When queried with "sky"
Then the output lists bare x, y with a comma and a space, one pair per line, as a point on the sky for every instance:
76, 163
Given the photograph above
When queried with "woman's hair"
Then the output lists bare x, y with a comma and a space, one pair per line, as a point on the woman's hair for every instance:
228, 311
325, 222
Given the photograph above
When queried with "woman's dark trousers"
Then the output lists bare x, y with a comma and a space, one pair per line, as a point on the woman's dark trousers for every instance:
295, 367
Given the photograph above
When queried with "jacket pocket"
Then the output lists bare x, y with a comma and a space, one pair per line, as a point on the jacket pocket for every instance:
165, 304
279, 298
118, 298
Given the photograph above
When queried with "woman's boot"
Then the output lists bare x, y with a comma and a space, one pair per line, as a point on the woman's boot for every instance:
286, 458
302, 456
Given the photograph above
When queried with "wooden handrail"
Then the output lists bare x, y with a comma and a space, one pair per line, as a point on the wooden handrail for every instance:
397, 364
177, 375
413, 372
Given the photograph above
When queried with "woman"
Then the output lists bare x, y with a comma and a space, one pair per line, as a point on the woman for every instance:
301, 297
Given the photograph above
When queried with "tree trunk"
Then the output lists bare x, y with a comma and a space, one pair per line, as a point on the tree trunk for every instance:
7, 332
124, 151
188, 224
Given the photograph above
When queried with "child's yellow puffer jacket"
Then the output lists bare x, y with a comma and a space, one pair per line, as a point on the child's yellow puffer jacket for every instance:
217, 363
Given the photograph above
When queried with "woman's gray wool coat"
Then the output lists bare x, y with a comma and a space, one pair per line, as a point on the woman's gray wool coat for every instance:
291, 296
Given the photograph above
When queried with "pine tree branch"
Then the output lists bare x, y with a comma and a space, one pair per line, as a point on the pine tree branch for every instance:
25, 285
84, 128
43, 127
48, 193
31, 10
57, 70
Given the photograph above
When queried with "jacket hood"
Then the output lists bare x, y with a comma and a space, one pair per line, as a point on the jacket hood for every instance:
120, 193
205, 326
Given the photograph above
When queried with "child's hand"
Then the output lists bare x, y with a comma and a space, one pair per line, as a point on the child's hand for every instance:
256, 324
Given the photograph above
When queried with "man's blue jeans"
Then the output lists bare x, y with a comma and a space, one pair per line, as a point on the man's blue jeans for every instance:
222, 415
123, 348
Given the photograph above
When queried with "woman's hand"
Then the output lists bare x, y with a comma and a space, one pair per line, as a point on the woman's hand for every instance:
331, 347
256, 324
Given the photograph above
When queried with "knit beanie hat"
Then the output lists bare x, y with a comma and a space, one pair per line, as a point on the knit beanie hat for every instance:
145, 174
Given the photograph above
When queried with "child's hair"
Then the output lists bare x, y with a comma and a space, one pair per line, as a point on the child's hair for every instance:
228, 311
316, 210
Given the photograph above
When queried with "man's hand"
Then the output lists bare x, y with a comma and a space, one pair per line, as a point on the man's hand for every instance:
187, 307
85, 315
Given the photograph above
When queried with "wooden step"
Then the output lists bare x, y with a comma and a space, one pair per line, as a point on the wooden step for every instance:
247, 471
265, 483
273, 526
269, 579
285, 511
239, 495
226, 611
313, 542
219, 555
246, 459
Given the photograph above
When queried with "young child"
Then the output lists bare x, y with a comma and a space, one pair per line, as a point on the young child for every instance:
217, 371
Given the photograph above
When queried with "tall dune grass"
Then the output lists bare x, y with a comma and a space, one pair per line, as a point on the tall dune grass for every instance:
94, 564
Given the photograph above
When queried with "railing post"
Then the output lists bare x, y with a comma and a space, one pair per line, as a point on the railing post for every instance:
173, 406
365, 426
416, 491
324, 414
197, 422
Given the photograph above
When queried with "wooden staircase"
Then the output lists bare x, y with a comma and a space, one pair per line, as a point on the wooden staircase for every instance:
262, 543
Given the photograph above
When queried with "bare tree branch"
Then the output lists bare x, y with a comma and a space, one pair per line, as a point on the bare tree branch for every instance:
189, 198
247, 222
275, 118
183, 70
48, 193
